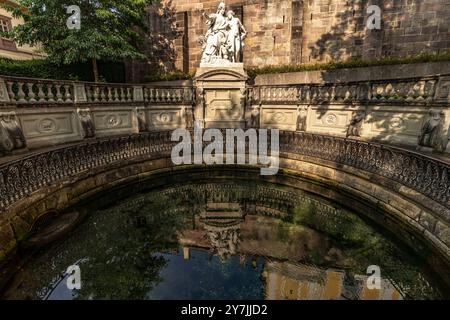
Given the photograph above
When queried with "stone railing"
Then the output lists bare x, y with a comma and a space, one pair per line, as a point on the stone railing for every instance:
408, 111
399, 111
169, 95
20, 178
36, 91
25, 91
420, 90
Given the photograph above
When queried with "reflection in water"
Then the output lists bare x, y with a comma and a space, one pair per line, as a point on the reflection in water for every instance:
223, 241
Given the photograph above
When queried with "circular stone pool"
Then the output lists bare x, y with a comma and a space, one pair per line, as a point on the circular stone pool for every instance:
224, 240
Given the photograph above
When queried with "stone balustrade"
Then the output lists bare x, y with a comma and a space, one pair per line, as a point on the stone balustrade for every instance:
26, 91
36, 91
396, 111
168, 95
417, 90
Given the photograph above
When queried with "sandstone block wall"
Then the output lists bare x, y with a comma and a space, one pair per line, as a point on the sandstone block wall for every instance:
297, 31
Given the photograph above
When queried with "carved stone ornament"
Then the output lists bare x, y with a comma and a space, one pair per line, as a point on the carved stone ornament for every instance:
255, 117
354, 128
431, 134
301, 119
87, 124
11, 135
188, 115
141, 119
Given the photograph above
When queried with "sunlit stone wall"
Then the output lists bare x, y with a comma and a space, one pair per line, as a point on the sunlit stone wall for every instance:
295, 31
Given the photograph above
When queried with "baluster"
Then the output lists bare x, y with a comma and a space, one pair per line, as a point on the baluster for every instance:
110, 94
68, 94
21, 93
58, 93
151, 95
31, 95
116, 94
129, 94
95, 93
50, 93
41, 94
12, 95
102, 93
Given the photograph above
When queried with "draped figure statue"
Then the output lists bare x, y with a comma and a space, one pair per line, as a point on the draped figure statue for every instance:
224, 38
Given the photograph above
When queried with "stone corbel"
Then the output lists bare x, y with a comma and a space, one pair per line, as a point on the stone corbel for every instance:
11, 134
86, 123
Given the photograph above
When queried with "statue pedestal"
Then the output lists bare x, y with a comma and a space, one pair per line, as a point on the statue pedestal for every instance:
221, 95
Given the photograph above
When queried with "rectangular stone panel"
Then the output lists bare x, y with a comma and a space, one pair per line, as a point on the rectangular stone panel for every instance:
113, 121
166, 118
49, 127
279, 117
329, 120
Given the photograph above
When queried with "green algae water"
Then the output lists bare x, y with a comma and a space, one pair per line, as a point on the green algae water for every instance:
224, 240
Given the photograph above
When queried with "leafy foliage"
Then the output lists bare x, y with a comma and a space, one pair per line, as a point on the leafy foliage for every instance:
109, 28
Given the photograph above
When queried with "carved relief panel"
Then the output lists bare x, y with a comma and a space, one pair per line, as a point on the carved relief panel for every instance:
113, 121
11, 135
332, 121
279, 117
51, 124
443, 90
166, 118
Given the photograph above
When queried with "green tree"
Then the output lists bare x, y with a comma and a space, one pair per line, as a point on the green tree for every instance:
109, 29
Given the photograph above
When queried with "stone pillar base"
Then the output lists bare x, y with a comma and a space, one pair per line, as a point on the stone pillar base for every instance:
221, 95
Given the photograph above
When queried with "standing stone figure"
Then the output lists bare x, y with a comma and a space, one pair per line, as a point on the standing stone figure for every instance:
87, 124
301, 119
254, 119
431, 133
188, 118
11, 135
236, 36
224, 38
354, 128
142, 121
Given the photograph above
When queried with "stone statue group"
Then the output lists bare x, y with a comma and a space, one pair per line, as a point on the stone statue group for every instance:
224, 38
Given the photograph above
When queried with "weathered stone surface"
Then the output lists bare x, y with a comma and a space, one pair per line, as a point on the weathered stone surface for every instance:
293, 31
221, 96
7, 240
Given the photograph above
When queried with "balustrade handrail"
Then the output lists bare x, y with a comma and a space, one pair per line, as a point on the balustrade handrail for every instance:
23, 91
20, 178
412, 90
